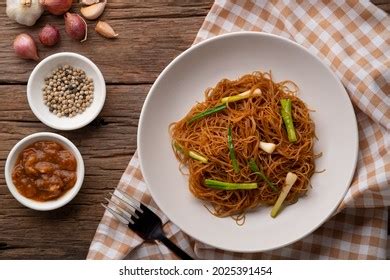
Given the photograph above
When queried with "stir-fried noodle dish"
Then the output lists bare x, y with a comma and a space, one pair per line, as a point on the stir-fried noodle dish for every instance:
248, 144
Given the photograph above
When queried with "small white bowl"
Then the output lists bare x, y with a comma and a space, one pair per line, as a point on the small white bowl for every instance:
36, 83
51, 204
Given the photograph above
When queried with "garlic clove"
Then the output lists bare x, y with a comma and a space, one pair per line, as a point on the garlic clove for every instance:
93, 11
88, 2
104, 29
267, 147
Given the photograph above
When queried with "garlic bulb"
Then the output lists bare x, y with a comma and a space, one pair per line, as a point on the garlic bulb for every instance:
25, 12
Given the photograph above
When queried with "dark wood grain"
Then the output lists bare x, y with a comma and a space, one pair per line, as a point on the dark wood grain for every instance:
106, 146
152, 33
383, 4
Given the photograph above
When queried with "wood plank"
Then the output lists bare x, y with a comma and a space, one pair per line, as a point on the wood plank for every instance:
382, 4
150, 36
106, 145
385, 7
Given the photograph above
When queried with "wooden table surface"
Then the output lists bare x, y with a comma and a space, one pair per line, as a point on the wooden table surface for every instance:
152, 33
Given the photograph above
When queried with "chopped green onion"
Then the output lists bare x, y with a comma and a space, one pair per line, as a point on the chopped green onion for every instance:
207, 112
179, 148
191, 154
240, 96
197, 156
255, 169
287, 119
229, 186
232, 153
290, 180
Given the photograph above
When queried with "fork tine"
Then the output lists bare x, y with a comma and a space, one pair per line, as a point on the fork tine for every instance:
132, 201
121, 209
128, 204
116, 214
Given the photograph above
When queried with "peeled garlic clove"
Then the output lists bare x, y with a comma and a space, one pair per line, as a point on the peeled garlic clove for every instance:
88, 2
93, 11
104, 29
267, 147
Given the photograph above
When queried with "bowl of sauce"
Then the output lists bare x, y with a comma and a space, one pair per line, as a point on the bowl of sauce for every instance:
44, 171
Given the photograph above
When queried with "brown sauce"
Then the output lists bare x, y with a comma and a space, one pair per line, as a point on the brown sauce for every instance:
44, 171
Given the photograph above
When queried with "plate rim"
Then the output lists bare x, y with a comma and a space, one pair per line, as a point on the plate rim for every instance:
260, 34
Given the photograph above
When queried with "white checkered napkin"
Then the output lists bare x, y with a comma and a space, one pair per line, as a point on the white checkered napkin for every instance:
113, 240
353, 234
353, 38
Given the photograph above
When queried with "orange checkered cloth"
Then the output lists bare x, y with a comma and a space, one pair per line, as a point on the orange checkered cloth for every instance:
353, 38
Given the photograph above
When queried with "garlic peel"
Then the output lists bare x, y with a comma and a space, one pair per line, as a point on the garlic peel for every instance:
104, 29
86, 31
93, 11
25, 12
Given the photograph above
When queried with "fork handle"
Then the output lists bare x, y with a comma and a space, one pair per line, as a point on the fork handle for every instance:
174, 248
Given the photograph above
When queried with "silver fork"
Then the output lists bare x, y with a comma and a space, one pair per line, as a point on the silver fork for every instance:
141, 220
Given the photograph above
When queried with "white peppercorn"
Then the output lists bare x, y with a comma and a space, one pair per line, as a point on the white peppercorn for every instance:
68, 91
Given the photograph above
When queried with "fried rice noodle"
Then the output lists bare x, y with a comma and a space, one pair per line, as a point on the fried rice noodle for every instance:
252, 120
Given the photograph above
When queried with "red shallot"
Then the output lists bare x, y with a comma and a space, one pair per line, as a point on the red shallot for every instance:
56, 7
49, 35
75, 27
25, 47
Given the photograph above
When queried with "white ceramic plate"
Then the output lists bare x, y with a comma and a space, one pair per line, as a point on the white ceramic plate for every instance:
183, 82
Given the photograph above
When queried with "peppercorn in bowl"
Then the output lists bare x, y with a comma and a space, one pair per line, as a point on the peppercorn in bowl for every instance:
66, 91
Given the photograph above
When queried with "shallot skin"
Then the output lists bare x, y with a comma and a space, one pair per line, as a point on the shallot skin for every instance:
49, 35
56, 7
25, 47
75, 26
